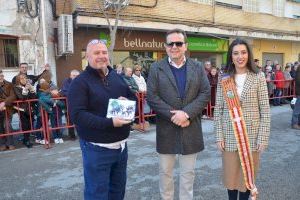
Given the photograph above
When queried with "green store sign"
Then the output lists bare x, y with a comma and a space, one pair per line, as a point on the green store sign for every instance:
207, 44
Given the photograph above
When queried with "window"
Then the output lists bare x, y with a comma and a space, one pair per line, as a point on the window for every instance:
250, 6
8, 52
208, 2
278, 8
230, 4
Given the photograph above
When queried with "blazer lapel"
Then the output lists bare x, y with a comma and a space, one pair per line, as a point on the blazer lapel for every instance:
247, 86
189, 75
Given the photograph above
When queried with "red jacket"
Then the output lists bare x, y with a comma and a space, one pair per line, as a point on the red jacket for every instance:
279, 76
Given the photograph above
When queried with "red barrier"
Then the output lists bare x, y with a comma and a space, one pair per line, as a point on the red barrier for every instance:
18, 107
141, 116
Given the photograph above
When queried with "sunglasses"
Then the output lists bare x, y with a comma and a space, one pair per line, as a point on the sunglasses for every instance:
97, 41
177, 44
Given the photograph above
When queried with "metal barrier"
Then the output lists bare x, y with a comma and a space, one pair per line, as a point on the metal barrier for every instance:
18, 108
288, 91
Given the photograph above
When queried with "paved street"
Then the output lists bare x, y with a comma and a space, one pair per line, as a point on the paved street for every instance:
56, 173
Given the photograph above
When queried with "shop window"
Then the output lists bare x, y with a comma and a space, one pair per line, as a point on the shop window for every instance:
8, 52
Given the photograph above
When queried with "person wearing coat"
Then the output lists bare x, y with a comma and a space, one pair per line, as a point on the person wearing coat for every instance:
24, 91
177, 90
7, 96
252, 91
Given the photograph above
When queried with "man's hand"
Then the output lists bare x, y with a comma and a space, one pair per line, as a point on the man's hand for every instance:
221, 146
55, 93
179, 117
185, 124
118, 122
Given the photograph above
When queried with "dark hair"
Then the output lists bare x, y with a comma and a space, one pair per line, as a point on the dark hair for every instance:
179, 31
23, 63
1, 71
230, 68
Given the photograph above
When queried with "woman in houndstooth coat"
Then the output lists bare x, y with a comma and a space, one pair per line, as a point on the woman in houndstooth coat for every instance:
253, 94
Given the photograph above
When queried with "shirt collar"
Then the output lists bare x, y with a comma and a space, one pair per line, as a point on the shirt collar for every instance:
174, 64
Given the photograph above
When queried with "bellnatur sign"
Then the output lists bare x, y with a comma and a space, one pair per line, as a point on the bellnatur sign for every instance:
207, 44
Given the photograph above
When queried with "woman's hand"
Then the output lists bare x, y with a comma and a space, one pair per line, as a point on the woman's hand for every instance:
221, 146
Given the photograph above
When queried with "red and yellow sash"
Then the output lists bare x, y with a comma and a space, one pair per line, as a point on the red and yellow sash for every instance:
240, 132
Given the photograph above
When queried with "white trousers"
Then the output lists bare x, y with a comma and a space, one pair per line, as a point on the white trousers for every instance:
187, 175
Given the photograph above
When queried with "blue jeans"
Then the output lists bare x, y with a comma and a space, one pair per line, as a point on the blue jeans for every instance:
104, 172
296, 112
278, 93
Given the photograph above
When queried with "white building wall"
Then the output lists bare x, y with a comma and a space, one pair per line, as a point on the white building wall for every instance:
29, 32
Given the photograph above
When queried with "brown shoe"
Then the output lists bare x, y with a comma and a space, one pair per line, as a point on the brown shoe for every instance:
11, 147
296, 126
3, 148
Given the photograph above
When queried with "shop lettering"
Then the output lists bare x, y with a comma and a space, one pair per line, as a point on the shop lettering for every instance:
137, 42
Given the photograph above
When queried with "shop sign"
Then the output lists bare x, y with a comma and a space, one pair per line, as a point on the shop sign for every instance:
207, 44
139, 43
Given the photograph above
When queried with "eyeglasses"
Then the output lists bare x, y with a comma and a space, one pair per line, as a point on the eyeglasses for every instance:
177, 44
97, 41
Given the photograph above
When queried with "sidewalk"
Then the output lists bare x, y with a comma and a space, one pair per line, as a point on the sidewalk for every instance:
56, 173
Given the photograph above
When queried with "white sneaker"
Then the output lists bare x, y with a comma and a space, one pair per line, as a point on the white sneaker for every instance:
44, 142
56, 141
38, 141
61, 140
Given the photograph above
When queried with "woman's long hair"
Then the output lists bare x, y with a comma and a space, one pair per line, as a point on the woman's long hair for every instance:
230, 68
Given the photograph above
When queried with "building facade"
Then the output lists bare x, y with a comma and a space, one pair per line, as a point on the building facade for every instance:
26, 35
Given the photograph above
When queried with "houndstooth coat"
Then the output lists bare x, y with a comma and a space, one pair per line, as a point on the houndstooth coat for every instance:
256, 111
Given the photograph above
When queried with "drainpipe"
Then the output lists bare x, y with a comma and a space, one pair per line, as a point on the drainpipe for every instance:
45, 43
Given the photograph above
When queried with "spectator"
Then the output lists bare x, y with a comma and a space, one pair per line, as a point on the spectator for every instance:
268, 64
207, 67
139, 79
65, 90
294, 69
7, 96
270, 77
119, 69
134, 88
287, 76
296, 111
23, 67
213, 80
25, 91
279, 83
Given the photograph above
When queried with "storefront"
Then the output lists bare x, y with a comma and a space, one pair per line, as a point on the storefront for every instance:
208, 49
131, 47
138, 47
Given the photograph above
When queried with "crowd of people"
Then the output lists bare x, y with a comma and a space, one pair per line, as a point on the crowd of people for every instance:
26, 87
178, 89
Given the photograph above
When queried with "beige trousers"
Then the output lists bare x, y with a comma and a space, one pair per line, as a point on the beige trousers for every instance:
187, 175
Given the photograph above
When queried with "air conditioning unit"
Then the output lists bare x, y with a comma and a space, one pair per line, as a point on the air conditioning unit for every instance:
114, 4
65, 35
